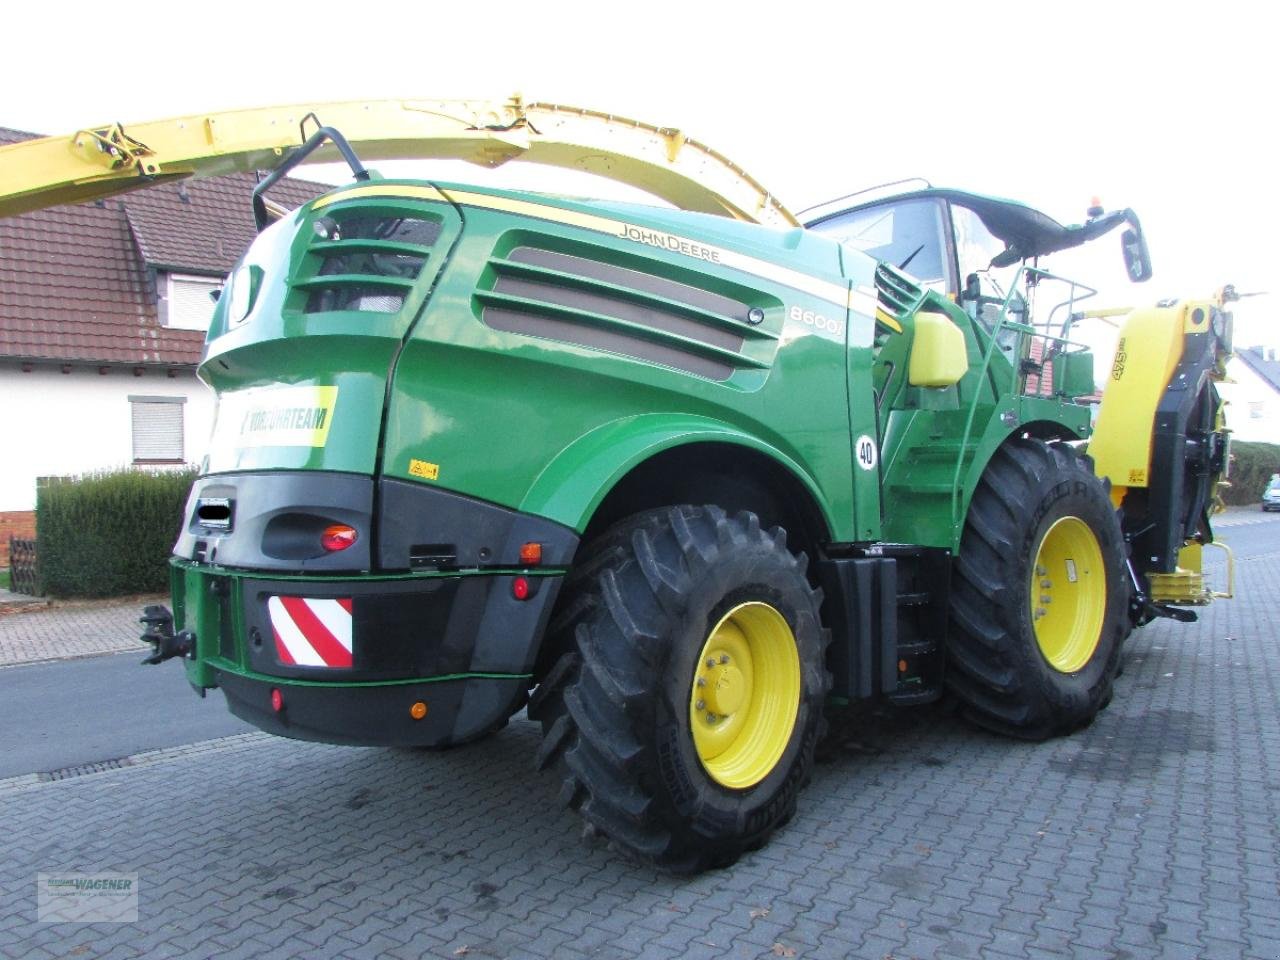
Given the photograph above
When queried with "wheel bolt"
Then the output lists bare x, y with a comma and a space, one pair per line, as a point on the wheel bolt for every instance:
1046, 584
1039, 612
1040, 570
701, 704
702, 681
711, 662
724, 658
711, 718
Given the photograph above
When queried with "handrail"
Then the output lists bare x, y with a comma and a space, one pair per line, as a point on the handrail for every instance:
261, 215
1023, 330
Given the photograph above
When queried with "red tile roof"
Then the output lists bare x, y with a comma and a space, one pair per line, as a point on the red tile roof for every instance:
202, 226
78, 282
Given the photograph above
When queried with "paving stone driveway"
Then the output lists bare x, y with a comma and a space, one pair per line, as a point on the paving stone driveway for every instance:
71, 629
1154, 833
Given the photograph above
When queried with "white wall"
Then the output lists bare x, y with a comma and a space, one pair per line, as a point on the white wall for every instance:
55, 424
1253, 405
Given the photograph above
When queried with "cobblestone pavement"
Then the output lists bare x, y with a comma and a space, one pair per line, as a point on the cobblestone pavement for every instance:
1155, 833
63, 630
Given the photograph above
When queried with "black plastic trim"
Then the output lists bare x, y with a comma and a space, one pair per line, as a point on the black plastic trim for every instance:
861, 610
886, 608
1178, 490
421, 627
419, 523
377, 716
278, 517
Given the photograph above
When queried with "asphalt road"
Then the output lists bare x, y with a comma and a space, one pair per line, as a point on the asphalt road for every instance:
56, 715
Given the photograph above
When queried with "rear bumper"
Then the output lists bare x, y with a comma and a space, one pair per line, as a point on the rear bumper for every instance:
364, 715
464, 645
437, 610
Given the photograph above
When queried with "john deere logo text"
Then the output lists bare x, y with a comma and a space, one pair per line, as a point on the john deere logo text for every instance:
669, 241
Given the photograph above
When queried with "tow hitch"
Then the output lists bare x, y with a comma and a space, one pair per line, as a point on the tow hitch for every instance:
165, 644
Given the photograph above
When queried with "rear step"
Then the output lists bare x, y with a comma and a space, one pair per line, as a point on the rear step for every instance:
888, 615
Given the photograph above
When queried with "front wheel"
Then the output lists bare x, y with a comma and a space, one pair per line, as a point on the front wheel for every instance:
684, 707
1040, 597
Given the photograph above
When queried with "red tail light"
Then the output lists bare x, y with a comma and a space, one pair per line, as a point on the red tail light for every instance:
337, 537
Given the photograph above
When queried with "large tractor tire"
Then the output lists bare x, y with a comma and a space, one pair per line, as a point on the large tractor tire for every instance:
683, 709
1039, 602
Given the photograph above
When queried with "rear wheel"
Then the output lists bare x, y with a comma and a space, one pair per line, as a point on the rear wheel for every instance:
683, 709
1039, 603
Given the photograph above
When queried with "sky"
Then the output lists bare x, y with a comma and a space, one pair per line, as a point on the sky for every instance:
1168, 108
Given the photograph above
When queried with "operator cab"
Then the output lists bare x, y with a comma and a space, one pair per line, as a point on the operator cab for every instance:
929, 237
966, 245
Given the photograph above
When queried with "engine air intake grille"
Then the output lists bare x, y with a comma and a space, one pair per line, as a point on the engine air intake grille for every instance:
368, 261
579, 300
897, 293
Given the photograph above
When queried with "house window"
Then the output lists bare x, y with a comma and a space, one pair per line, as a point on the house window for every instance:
190, 304
157, 429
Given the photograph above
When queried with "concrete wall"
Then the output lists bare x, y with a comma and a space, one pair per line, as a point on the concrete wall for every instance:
55, 424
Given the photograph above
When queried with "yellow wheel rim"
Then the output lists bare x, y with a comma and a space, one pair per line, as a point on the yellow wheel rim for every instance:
745, 695
1068, 594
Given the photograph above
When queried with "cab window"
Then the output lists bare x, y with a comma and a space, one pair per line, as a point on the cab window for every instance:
975, 249
908, 234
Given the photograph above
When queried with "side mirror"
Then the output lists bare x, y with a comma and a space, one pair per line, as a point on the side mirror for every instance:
1137, 259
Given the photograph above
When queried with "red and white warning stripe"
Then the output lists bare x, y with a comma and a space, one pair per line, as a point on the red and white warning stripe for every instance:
311, 632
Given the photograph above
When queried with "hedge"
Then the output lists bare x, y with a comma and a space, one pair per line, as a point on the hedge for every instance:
110, 533
1252, 465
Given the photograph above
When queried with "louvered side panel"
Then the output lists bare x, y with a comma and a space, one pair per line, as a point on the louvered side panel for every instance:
592, 303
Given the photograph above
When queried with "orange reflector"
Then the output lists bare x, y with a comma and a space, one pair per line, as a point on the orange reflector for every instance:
520, 588
337, 537
902, 666
530, 554
277, 700
418, 710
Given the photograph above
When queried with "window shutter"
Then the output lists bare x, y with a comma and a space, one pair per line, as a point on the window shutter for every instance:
157, 429
190, 306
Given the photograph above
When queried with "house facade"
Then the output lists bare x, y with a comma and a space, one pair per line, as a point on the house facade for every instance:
103, 308
1252, 394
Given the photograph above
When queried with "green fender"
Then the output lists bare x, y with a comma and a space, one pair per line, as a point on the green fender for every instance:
579, 477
